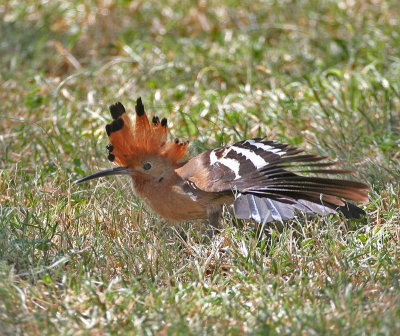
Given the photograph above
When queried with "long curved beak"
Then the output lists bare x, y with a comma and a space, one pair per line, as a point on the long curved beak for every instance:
108, 172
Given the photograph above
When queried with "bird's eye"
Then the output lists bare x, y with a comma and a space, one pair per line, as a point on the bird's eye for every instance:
147, 166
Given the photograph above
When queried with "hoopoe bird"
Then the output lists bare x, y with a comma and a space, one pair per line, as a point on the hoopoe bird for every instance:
260, 179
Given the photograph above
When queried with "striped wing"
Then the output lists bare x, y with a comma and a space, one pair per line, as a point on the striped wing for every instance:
266, 178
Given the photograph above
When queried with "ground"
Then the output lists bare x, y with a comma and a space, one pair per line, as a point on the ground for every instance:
93, 259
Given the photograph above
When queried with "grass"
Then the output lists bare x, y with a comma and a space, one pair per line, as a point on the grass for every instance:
92, 259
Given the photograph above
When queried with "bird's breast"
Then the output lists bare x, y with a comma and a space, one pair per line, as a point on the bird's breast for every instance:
172, 202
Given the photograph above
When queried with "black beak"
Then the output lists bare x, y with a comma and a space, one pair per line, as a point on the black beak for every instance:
108, 172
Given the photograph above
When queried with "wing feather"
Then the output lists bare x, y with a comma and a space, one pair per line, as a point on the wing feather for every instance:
268, 177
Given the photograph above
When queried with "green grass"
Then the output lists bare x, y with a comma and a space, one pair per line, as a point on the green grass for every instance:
92, 259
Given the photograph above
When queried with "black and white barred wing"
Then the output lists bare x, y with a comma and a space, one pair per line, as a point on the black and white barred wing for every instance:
233, 167
264, 175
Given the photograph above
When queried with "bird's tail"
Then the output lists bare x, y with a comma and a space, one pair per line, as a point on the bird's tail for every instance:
262, 209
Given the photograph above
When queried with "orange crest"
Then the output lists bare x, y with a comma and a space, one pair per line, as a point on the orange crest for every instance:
130, 143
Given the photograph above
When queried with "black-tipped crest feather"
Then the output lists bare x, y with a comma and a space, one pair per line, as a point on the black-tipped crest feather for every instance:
117, 110
116, 125
139, 108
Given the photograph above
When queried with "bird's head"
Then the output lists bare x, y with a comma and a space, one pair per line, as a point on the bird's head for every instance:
141, 150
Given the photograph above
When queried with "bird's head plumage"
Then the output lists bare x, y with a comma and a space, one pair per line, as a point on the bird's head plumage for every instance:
130, 143
135, 146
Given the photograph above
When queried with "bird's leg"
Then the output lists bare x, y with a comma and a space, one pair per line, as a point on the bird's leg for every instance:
214, 215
